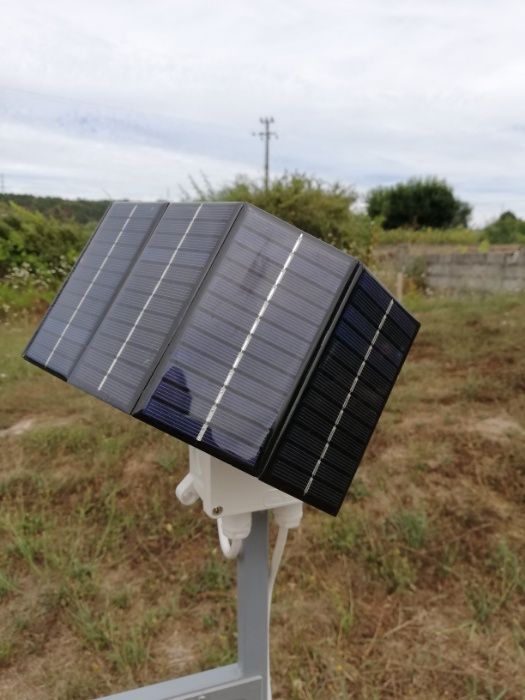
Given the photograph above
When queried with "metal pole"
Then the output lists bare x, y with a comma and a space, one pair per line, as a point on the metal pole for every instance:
252, 600
266, 135
267, 155
246, 679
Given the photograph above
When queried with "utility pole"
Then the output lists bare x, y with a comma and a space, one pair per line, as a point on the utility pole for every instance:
265, 136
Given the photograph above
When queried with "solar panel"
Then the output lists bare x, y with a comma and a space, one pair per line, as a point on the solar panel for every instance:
333, 419
89, 289
145, 313
246, 339
240, 334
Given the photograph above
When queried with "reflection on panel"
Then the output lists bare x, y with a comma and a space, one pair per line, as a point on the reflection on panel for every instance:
127, 345
232, 368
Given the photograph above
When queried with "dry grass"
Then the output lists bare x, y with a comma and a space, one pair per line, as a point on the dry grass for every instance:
416, 590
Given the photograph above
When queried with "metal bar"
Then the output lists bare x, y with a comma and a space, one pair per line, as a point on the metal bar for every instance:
247, 679
252, 599
224, 683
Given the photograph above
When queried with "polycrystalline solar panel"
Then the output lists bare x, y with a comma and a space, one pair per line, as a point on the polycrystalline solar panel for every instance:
333, 419
236, 332
145, 313
231, 369
87, 293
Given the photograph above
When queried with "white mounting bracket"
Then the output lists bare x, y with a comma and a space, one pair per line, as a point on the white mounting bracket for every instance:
226, 491
230, 496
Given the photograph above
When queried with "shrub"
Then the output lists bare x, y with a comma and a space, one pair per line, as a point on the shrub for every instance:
35, 244
506, 229
324, 210
418, 203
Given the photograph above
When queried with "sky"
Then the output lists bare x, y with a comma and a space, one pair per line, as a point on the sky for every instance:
132, 99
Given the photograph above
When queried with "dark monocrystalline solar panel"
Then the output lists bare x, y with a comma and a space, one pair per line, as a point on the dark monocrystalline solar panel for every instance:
236, 332
139, 324
333, 420
247, 338
88, 291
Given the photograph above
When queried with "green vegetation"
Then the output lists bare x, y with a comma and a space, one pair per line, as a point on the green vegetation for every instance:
83, 211
324, 210
416, 590
36, 253
418, 203
506, 229
430, 236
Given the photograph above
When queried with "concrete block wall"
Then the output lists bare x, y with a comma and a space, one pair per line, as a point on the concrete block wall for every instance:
495, 271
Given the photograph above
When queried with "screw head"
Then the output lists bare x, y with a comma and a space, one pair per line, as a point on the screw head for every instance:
217, 510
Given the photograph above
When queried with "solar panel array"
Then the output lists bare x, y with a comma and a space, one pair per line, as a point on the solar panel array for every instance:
239, 333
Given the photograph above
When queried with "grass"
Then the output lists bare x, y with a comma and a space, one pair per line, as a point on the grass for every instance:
415, 591
454, 236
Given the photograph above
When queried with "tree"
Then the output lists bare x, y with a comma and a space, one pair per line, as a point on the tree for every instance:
506, 229
418, 203
321, 209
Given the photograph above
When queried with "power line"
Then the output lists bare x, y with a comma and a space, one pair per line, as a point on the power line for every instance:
265, 136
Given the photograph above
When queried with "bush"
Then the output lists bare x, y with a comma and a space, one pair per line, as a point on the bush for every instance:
418, 203
33, 244
506, 229
321, 209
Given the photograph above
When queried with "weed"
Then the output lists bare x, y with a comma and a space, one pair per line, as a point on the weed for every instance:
482, 602
168, 461
222, 650
214, 576
6, 651
343, 533
6, 585
412, 527
132, 650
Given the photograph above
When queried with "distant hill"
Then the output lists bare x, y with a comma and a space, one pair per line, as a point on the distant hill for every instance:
81, 210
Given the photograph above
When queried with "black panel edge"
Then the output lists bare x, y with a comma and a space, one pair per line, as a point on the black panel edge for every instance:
309, 366
41, 366
158, 370
330, 509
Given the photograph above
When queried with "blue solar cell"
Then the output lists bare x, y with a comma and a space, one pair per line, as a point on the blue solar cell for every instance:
374, 290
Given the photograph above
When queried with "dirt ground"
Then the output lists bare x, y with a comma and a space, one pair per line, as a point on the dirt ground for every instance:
415, 591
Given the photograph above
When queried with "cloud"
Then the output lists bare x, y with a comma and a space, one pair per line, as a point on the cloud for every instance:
139, 95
